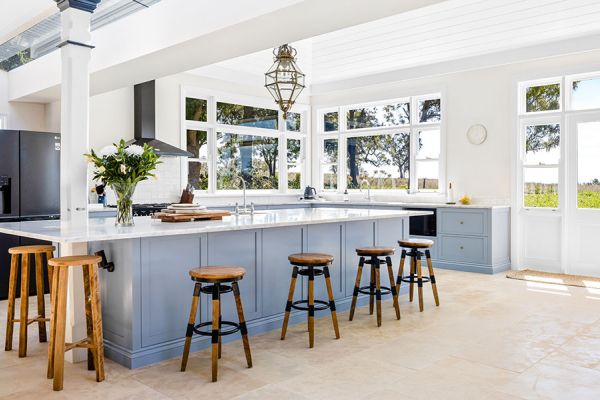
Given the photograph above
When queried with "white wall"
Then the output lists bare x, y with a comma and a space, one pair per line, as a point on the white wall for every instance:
26, 116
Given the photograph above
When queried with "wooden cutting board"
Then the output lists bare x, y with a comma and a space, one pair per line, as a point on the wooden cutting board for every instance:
207, 216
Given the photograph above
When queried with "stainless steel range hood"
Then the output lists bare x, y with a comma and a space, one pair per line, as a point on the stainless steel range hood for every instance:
144, 125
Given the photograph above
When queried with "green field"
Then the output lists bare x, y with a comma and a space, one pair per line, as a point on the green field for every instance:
585, 199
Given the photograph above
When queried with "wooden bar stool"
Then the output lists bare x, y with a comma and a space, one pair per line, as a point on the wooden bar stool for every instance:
310, 265
93, 313
374, 257
217, 278
24, 253
415, 253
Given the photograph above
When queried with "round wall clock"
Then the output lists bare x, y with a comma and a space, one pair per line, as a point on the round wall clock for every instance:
477, 134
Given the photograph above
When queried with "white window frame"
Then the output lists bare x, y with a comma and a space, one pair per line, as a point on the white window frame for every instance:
212, 127
3, 121
343, 133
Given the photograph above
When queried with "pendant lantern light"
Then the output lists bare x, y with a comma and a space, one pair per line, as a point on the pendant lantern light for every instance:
284, 80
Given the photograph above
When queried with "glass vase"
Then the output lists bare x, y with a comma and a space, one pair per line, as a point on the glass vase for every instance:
124, 194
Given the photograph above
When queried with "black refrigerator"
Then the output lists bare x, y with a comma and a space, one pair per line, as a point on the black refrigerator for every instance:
29, 189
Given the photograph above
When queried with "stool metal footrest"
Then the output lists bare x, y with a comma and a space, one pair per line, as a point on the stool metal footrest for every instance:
323, 305
367, 290
236, 328
414, 279
304, 271
222, 289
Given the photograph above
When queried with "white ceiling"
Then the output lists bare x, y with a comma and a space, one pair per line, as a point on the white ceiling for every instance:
21, 14
446, 31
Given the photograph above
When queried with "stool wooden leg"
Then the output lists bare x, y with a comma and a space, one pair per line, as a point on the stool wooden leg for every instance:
215, 330
12, 293
88, 317
378, 290
288, 305
242, 321
39, 285
331, 302
98, 336
388, 261
361, 263
400, 272
24, 314
432, 278
51, 345
190, 326
372, 290
60, 321
220, 327
311, 307
413, 267
420, 282
49, 255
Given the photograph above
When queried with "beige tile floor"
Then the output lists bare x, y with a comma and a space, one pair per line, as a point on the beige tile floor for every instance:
492, 338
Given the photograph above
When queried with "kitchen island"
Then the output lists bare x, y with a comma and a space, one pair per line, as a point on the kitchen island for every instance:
146, 299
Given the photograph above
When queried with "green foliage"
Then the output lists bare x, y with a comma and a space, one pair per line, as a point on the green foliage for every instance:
542, 137
195, 109
548, 200
542, 98
588, 199
238, 114
119, 166
331, 121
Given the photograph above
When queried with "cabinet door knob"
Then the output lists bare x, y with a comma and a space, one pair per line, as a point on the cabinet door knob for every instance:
461, 247
461, 222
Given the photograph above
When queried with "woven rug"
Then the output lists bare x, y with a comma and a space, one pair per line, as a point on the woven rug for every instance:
557, 279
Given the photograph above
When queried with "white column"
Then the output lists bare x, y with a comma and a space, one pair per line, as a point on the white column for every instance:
75, 98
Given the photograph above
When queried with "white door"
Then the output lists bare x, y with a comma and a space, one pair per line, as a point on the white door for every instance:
583, 195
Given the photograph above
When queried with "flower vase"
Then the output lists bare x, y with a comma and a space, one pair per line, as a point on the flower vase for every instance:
124, 194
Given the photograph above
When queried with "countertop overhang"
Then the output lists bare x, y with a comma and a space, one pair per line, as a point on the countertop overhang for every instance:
102, 229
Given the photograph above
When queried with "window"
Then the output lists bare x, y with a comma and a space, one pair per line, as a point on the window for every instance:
585, 94
236, 142
539, 98
588, 165
391, 145
541, 165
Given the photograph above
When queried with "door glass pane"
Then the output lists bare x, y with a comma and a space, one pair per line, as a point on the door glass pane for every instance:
195, 109
428, 175
542, 98
585, 94
542, 144
294, 147
330, 122
330, 151
430, 110
381, 160
329, 164
238, 114
292, 123
198, 175
540, 187
253, 158
197, 143
428, 143
381, 115
330, 177
588, 165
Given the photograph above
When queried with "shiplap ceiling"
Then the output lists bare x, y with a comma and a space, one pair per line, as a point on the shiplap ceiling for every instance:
447, 31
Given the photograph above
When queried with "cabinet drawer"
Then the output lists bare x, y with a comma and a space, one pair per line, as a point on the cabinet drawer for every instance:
462, 249
463, 222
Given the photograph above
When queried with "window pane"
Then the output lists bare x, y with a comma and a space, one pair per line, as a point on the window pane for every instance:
588, 165
383, 115
430, 110
428, 175
195, 109
330, 151
237, 114
542, 144
542, 98
198, 175
294, 148
330, 177
197, 143
248, 157
585, 94
381, 160
292, 123
330, 122
540, 187
429, 144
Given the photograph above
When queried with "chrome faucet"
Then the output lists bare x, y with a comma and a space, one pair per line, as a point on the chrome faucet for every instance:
368, 188
244, 209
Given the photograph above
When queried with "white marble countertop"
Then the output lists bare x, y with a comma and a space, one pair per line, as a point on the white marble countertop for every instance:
100, 229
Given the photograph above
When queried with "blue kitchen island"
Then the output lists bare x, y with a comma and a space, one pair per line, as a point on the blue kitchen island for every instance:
146, 299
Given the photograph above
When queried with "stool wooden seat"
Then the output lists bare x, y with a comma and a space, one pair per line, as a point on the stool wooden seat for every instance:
375, 251
415, 253
310, 265
310, 259
374, 257
23, 253
93, 313
212, 274
217, 277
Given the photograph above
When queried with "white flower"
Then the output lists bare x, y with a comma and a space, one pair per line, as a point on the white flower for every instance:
108, 151
101, 169
134, 150
123, 169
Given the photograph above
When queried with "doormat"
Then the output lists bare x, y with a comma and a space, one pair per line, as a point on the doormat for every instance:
554, 278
